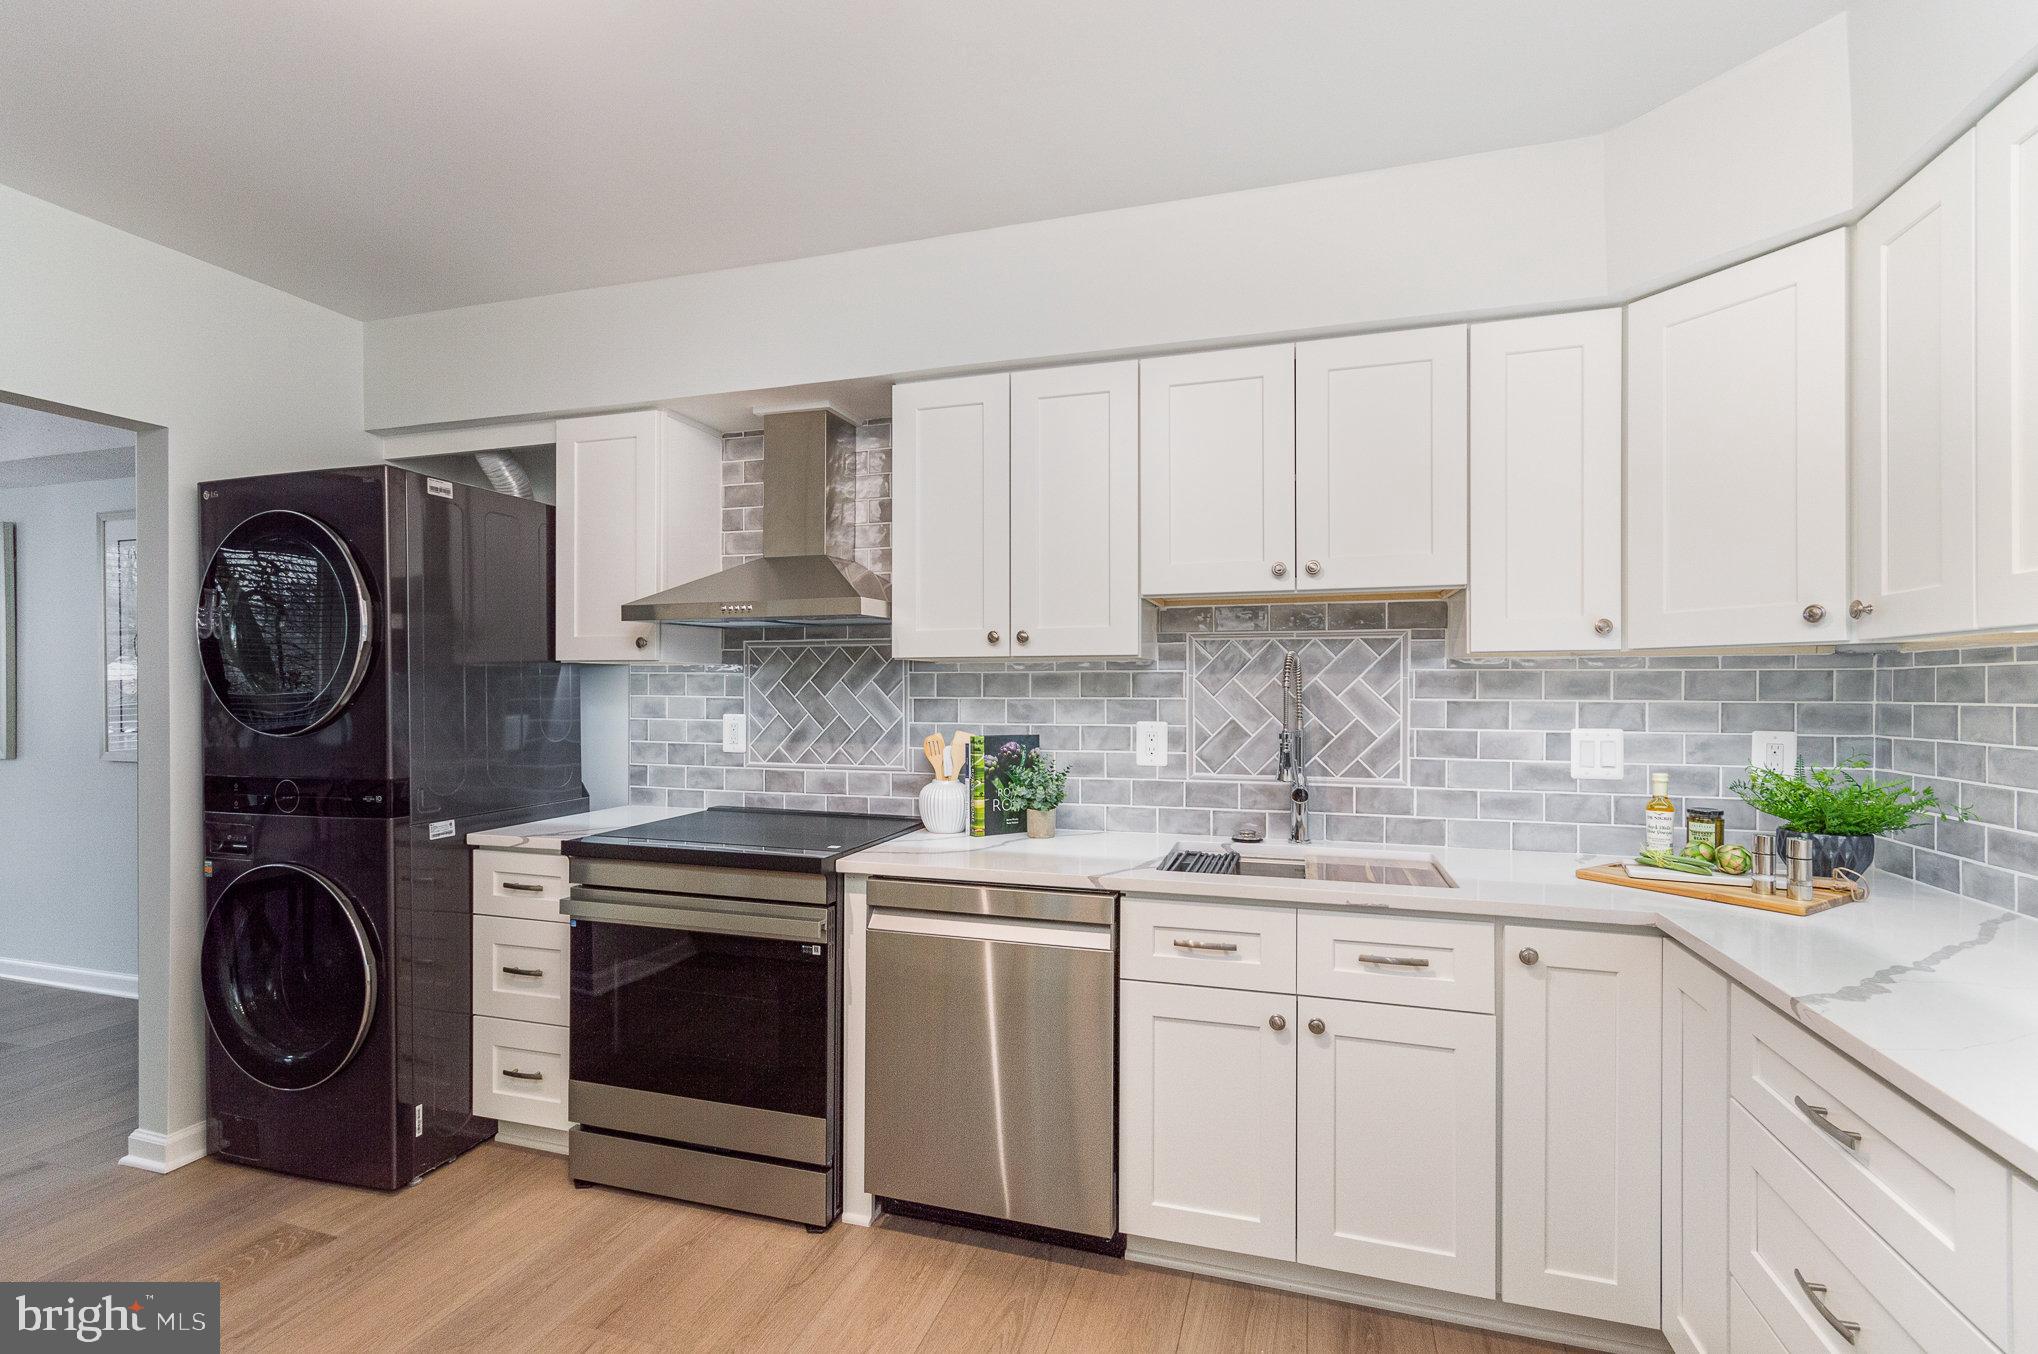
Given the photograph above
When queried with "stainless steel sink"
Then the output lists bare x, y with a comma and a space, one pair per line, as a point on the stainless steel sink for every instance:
1412, 871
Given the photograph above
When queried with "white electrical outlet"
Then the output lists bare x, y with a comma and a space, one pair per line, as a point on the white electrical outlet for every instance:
1150, 742
733, 733
1773, 751
1598, 754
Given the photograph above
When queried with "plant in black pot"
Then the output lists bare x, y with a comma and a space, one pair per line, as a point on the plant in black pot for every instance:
1839, 812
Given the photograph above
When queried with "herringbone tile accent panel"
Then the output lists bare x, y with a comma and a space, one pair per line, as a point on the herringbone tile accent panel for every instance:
1354, 697
825, 705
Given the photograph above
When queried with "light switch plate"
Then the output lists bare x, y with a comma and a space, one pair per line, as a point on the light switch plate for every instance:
1150, 742
1773, 751
733, 733
1598, 754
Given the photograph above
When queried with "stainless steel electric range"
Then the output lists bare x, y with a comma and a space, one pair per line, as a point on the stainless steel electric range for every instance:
707, 1007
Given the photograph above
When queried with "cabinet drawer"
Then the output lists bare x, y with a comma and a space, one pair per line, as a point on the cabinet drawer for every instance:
1809, 1265
1402, 961
520, 969
1208, 944
520, 1072
1747, 1332
1938, 1200
527, 884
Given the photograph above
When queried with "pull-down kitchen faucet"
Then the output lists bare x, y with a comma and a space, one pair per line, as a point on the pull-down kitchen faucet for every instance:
1293, 769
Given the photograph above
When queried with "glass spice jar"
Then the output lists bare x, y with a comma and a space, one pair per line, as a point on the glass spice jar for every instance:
1705, 825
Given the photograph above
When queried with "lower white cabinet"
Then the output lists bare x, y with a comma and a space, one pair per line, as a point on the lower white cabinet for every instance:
1695, 1095
1581, 1134
1395, 1146
1206, 1117
522, 993
520, 1072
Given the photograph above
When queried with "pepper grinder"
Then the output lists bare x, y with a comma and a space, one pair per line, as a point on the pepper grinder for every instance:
1799, 850
1765, 866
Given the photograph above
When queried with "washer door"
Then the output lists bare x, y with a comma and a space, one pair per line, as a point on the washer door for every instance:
289, 976
284, 623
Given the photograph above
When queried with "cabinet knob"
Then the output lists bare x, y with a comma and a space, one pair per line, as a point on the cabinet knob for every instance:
1316, 1027
1023, 637
1814, 613
1603, 626
991, 638
1528, 956
1860, 608
643, 642
1312, 568
1280, 568
1277, 1022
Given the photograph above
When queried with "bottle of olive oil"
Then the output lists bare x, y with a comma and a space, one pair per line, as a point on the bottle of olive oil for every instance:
1659, 816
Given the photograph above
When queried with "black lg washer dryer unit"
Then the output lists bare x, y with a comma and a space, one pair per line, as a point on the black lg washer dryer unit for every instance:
376, 648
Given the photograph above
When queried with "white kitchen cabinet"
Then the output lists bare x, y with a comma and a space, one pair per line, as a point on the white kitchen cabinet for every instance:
1380, 461
1545, 485
1075, 512
1737, 454
2006, 374
1217, 472
1395, 1153
1206, 1117
640, 511
1695, 1095
1581, 1122
2023, 1266
1913, 455
952, 518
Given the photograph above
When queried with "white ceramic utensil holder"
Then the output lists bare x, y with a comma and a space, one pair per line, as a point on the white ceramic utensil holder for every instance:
944, 806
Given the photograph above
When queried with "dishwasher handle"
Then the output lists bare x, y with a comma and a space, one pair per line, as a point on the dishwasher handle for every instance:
982, 900
991, 930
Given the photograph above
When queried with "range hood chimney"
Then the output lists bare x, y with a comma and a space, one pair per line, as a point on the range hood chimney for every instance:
797, 581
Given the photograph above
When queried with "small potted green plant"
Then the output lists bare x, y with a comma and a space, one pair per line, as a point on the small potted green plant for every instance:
1033, 783
1841, 813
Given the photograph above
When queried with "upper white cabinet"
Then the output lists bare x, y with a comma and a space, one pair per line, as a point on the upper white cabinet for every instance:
1580, 1129
1380, 461
2006, 328
640, 511
1695, 1094
1217, 472
1015, 507
1546, 485
1737, 454
1913, 463
1075, 511
951, 517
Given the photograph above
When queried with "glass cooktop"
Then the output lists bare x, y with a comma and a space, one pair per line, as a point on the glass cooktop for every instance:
761, 837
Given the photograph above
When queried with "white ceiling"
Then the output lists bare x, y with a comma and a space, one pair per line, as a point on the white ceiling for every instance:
29, 434
385, 157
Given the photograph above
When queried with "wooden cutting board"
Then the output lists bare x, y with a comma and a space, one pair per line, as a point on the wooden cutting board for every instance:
1824, 895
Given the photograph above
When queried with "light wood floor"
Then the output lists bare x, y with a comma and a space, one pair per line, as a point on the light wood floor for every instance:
499, 1252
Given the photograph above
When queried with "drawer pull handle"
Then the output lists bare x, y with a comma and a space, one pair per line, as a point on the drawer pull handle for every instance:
1850, 1331
523, 1076
1398, 961
512, 887
515, 972
1214, 946
1821, 1118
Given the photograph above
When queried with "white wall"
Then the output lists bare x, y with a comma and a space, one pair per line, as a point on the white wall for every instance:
67, 876
240, 379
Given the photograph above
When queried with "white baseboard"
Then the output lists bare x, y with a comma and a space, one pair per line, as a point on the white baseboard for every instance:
163, 1153
1482, 1313
530, 1135
63, 975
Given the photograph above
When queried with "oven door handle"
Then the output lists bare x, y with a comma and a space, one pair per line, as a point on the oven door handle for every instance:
686, 912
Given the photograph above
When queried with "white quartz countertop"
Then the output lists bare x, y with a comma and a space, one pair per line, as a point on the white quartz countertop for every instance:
1935, 993
550, 834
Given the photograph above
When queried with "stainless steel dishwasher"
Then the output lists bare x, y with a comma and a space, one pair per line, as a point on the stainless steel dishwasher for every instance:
991, 1054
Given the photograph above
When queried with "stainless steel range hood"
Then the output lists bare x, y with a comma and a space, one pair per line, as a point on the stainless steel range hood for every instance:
797, 582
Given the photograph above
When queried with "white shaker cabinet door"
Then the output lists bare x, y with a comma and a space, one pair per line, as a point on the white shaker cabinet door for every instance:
1217, 472
1695, 1092
1395, 1167
1737, 454
1206, 1117
2006, 353
1075, 512
1546, 485
609, 489
1581, 1123
951, 517
1913, 462
1380, 460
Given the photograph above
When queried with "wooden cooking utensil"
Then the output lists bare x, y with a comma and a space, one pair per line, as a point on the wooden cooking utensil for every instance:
933, 746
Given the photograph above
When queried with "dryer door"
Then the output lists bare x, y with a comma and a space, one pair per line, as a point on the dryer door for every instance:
289, 976
285, 623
